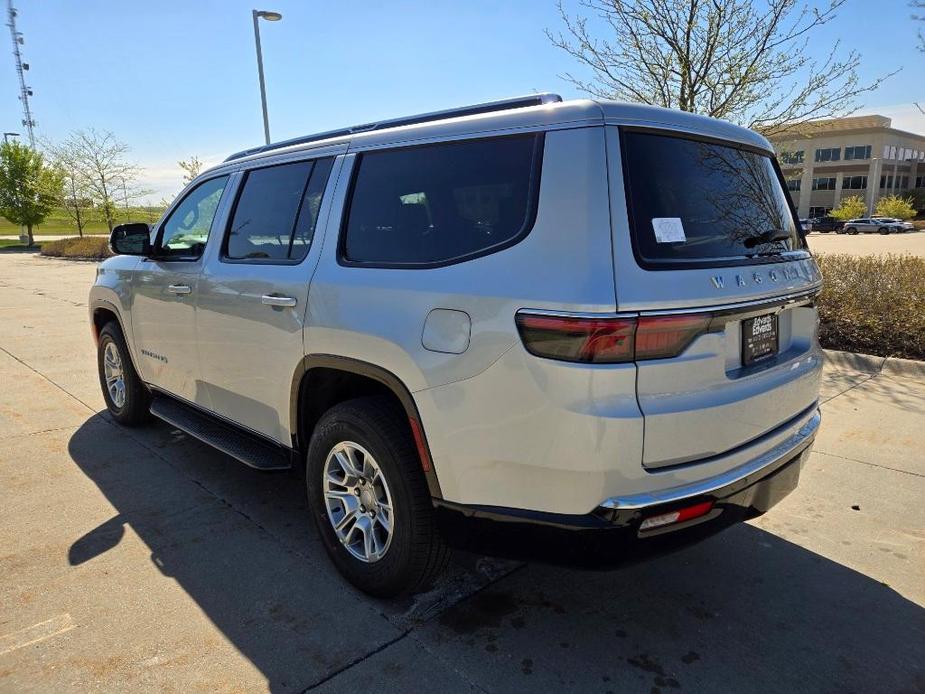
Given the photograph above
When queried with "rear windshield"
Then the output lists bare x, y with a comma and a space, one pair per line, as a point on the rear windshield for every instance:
695, 203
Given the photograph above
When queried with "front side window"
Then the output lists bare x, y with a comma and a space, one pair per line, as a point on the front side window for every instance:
441, 203
186, 230
694, 201
276, 212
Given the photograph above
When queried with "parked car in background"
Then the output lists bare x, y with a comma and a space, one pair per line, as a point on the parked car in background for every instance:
903, 226
868, 225
374, 306
806, 225
826, 224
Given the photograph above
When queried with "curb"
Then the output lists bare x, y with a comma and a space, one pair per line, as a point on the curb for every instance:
868, 363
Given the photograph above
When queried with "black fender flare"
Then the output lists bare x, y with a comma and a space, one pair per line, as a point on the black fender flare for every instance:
386, 378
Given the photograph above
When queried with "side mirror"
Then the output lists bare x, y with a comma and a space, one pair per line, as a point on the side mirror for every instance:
131, 239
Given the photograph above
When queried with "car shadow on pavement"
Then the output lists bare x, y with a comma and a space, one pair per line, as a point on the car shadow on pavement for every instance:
744, 611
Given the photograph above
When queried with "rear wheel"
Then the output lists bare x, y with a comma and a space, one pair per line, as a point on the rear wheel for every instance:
851, 230
127, 398
884, 230
370, 501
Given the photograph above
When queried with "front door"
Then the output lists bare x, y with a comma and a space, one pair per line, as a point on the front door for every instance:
253, 292
164, 294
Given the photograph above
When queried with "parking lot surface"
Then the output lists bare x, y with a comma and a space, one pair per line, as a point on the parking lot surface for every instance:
141, 559
868, 244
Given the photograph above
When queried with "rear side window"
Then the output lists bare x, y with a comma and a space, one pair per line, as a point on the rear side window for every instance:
276, 212
696, 203
442, 203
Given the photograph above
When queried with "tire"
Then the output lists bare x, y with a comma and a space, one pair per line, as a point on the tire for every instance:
413, 554
884, 230
135, 398
851, 230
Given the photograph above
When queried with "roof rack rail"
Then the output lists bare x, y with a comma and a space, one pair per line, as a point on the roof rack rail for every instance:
475, 109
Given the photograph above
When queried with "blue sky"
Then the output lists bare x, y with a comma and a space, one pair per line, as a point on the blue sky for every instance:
174, 79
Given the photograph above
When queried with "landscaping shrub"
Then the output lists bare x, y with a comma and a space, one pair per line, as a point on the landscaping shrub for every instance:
88, 247
873, 304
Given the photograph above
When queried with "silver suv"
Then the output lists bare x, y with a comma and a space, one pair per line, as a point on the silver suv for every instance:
579, 331
870, 225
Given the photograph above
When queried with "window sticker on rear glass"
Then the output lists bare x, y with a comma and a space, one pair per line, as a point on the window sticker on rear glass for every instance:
668, 229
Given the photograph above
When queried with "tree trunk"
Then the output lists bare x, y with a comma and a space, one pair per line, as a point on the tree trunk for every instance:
80, 222
31, 237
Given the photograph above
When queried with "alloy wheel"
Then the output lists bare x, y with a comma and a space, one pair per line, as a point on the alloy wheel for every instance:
358, 501
113, 374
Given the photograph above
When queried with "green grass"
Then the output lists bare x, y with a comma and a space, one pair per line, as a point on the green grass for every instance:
14, 246
59, 222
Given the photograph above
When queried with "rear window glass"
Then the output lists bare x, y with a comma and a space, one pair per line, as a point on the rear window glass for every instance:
440, 203
694, 202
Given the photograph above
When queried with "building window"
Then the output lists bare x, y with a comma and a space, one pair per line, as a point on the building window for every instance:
793, 184
816, 212
886, 181
854, 183
824, 183
792, 157
832, 154
858, 152
902, 182
920, 181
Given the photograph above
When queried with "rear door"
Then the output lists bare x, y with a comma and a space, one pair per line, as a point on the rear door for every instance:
253, 292
705, 228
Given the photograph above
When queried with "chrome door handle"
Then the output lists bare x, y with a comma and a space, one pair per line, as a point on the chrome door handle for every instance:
178, 289
271, 300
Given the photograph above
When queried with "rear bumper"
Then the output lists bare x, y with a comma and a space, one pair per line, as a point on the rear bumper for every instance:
610, 535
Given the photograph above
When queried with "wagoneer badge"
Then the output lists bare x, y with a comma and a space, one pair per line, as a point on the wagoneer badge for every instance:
788, 273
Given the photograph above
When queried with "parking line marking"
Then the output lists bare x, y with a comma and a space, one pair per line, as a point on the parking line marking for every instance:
35, 633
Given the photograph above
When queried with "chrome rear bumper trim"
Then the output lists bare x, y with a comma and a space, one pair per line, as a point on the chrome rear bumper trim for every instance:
788, 448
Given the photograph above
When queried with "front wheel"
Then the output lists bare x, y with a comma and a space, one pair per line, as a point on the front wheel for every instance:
127, 398
851, 230
884, 230
370, 501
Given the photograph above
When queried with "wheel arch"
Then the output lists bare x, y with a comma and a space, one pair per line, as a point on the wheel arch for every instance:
324, 380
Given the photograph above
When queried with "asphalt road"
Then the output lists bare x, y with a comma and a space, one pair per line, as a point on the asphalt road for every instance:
141, 559
868, 244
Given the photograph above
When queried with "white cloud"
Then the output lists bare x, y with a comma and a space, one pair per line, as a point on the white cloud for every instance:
165, 178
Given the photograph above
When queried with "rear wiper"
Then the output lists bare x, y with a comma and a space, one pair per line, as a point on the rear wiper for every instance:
770, 236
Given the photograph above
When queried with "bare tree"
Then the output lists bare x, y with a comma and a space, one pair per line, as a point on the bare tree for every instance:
919, 5
192, 167
104, 170
75, 194
742, 60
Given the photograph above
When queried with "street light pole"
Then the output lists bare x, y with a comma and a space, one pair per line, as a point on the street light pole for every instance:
270, 17
8, 135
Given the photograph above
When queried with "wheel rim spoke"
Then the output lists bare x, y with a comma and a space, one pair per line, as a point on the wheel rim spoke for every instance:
113, 374
358, 501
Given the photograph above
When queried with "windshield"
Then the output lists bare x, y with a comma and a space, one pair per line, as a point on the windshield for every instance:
695, 202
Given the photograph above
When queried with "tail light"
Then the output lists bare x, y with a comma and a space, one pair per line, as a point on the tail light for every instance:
609, 340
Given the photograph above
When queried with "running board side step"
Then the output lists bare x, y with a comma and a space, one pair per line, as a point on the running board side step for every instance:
248, 448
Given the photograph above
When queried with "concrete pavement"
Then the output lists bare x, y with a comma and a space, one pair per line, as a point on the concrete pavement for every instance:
142, 559
868, 244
